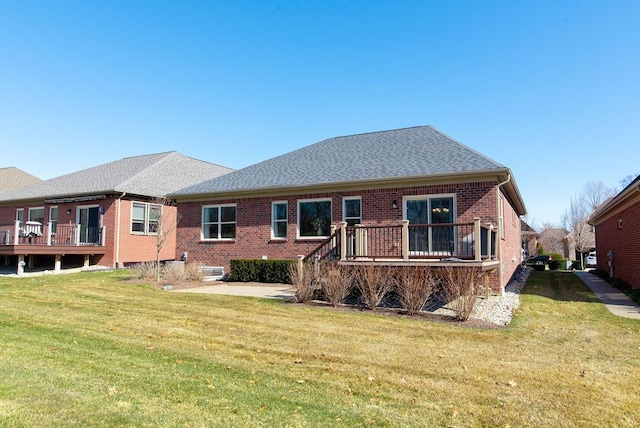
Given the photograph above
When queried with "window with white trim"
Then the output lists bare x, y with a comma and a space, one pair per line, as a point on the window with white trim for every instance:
145, 218
314, 218
36, 214
219, 222
20, 216
352, 211
53, 218
279, 220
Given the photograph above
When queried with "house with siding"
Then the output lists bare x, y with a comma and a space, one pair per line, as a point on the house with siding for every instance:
108, 215
617, 230
400, 197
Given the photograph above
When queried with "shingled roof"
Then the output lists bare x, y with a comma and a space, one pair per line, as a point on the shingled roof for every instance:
12, 178
421, 151
153, 175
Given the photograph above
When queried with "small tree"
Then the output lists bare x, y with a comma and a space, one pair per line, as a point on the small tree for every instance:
575, 220
163, 223
336, 283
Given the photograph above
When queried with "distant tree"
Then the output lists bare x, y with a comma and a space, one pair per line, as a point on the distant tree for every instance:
626, 180
574, 220
594, 193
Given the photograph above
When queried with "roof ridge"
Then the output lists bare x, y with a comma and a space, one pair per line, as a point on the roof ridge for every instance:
385, 130
485, 157
165, 156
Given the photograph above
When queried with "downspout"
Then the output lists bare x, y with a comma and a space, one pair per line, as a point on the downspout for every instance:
499, 247
117, 260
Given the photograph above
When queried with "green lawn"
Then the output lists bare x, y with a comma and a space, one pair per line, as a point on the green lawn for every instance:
92, 350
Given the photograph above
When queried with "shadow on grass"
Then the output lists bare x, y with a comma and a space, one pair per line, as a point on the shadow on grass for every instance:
559, 285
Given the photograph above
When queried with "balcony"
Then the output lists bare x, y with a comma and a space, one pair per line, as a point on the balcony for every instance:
404, 244
35, 238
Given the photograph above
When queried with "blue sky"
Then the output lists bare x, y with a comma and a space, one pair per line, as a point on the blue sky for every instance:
548, 88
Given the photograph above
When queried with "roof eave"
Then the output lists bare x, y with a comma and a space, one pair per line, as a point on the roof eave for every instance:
619, 202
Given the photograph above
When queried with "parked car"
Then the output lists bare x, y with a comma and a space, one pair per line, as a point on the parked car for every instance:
591, 260
538, 262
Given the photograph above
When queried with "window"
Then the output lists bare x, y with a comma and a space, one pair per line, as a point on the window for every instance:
145, 218
36, 214
352, 211
20, 216
279, 220
314, 218
430, 210
219, 222
53, 218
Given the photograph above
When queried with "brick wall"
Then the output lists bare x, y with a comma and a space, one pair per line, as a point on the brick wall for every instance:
625, 243
510, 243
253, 223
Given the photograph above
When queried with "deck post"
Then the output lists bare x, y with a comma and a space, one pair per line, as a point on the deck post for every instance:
405, 239
103, 237
86, 260
360, 241
343, 241
77, 235
477, 239
20, 264
16, 232
58, 263
49, 233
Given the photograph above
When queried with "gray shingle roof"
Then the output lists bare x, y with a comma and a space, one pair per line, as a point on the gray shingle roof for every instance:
409, 152
12, 178
152, 175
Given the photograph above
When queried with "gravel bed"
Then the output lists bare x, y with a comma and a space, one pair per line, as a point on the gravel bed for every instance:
499, 309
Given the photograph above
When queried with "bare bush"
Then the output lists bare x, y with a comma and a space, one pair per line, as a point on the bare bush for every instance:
193, 272
460, 288
336, 283
173, 272
373, 283
303, 281
414, 286
144, 270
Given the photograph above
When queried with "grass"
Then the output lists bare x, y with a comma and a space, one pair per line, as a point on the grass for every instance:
92, 350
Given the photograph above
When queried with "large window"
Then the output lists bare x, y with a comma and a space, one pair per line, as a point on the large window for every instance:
219, 222
352, 211
279, 220
314, 218
145, 218
430, 210
36, 214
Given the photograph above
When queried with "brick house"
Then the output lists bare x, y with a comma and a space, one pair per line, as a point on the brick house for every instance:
617, 233
107, 215
406, 196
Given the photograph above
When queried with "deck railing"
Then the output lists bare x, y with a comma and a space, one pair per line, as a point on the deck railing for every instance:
33, 233
405, 242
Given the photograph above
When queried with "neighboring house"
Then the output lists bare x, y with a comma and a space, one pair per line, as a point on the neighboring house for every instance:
419, 196
12, 178
617, 233
553, 240
587, 241
109, 215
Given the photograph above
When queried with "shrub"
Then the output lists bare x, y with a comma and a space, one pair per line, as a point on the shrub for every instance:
576, 264
258, 270
414, 286
373, 283
557, 257
303, 281
144, 270
193, 272
336, 283
554, 264
173, 272
460, 286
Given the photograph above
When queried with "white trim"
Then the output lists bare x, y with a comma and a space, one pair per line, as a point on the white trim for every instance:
298, 202
202, 238
36, 208
147, 218
428, 198
344, 207
286, 220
